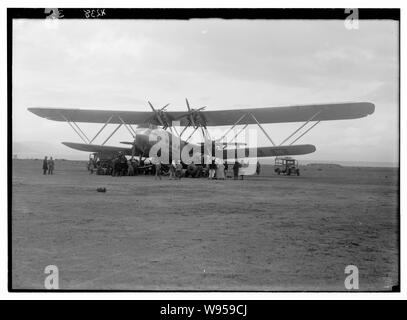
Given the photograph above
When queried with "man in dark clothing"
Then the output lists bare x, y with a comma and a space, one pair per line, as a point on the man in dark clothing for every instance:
115, 166
51, 165
236, 167
258, 168
124, 167
45, 165
225, 164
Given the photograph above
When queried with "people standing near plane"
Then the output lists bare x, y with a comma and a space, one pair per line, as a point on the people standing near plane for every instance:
191, 170
178, 170
115, 161
130, 169
51, 165
45, 165
212, 169
158, 170
91, 166
123, 165
199, 172
136, 164
241, 170
172, 170
258, 167
220, 171
226, 166
236, 167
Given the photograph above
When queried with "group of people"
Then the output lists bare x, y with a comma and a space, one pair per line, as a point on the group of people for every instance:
48, 165
175, 170
121, 166
213, 171
219, 170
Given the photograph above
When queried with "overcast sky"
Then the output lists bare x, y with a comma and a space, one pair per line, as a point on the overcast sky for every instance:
223, 64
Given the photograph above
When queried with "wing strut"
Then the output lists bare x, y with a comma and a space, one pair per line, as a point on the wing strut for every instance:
234, 125
264, 131
237, 134
84, 137
245, 126
114, 131
305, 132
125, 125
77, 126
132, 129
302, 126
101, 129
191, 134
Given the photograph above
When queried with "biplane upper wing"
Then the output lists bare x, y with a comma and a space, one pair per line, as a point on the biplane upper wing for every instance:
321, 112
317, 112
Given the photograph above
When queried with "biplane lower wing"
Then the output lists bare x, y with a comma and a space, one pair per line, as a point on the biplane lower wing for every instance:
97, 148
276, 151
317, 112
257, 152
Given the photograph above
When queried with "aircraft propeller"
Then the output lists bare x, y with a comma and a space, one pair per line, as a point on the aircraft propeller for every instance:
159, 115
195, 119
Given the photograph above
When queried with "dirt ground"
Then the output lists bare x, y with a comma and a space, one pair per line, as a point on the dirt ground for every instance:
265, 233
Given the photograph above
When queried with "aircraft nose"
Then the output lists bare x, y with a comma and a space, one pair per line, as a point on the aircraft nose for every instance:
142, 140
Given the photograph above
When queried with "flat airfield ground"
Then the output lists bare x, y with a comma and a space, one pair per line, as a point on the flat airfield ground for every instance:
265, 233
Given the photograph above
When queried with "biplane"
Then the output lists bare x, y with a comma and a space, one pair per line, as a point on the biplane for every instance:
141, 125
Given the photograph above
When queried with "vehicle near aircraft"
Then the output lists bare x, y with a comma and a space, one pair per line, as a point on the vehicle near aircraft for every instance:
148, 122
287, 166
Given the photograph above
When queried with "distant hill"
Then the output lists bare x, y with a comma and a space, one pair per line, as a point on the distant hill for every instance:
39, 149
322, 165
304, 161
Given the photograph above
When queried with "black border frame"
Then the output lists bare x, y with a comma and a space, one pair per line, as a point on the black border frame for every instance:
184, 14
